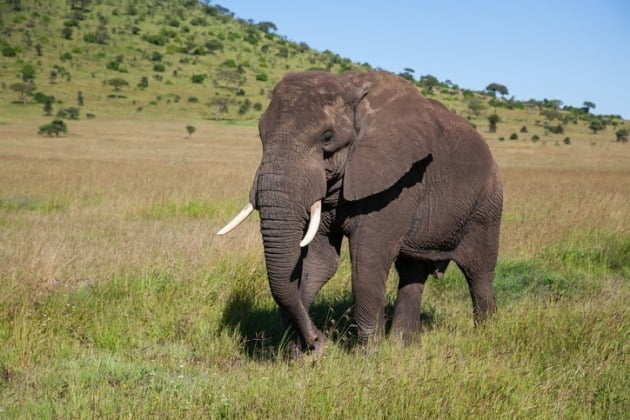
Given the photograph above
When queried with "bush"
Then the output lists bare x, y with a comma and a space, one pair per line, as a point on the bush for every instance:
622, 135
213, 45
535, 138
555, 129
42, 98
567, 140
156, 56
159, 67
198, 78
8, 51
90, 116
523, 129
193, 100
56, 127
513, 136
144, 82
257, 106
70, 113
66, 56
262, 77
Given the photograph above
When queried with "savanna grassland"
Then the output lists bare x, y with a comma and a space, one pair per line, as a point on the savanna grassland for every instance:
117, 298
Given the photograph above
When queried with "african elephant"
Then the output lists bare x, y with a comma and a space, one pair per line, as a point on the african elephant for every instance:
408, 182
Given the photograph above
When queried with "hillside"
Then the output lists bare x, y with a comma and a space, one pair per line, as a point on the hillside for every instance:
188, 60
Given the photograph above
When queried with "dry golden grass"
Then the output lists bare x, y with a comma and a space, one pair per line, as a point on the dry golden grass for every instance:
132, 194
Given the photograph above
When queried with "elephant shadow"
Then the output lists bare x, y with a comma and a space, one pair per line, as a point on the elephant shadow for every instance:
259, 328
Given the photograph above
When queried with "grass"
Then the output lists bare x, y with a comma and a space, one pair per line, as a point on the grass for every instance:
117, 299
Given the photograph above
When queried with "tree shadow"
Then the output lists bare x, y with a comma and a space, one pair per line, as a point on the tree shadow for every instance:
263, 336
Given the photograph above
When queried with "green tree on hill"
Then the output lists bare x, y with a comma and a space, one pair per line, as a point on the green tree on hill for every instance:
117, 83
588, 105
23, 89
493, 120
497, 88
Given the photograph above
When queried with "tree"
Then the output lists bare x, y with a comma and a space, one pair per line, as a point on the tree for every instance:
267, 27
588, 105
497, 88
407, 73
117, 83
493, 120
80, 98
221, 106
24, 89
48, 108
190, 129
622, 135
28, 73
429, 82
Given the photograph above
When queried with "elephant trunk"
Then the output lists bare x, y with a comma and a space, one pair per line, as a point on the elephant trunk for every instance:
282, 221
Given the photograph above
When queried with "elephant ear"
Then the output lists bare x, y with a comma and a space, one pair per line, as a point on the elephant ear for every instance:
394, 131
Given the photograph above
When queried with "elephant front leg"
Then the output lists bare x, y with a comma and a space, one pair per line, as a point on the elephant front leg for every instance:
412, 276
370, 267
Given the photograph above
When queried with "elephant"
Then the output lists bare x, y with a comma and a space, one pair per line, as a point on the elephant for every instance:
411, 184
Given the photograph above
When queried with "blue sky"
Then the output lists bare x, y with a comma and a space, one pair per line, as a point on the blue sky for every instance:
574, 51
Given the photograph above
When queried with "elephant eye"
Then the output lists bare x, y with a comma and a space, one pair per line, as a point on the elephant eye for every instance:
328, 135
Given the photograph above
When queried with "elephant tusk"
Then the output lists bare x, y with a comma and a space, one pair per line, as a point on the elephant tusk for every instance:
249, 208
313, 224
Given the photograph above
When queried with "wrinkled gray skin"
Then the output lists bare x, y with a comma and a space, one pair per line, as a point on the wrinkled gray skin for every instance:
406, 180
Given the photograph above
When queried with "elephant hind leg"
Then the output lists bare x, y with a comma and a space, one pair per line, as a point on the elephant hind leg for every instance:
477, 258
412, 276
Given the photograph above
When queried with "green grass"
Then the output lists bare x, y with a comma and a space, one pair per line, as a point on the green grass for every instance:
155, 343
20, 203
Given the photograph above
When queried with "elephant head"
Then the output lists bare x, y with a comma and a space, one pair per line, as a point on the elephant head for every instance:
322, 131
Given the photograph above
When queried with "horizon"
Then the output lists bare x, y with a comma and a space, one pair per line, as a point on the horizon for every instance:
476, 45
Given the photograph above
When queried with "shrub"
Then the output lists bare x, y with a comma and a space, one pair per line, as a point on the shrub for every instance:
156, 56
55, 127
42, 98
66, 56
535, 138
193, 100
70, 113
8, 51
229, 63
513, 136
622, 135
90, 116
567, 140
66, 32
144, 82
213, 45
159, 67
523, 129
198, 78
257, 106
555, 129
244, 107
262, 77
90, 38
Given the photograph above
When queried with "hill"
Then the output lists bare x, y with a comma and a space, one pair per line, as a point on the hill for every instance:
189, 60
